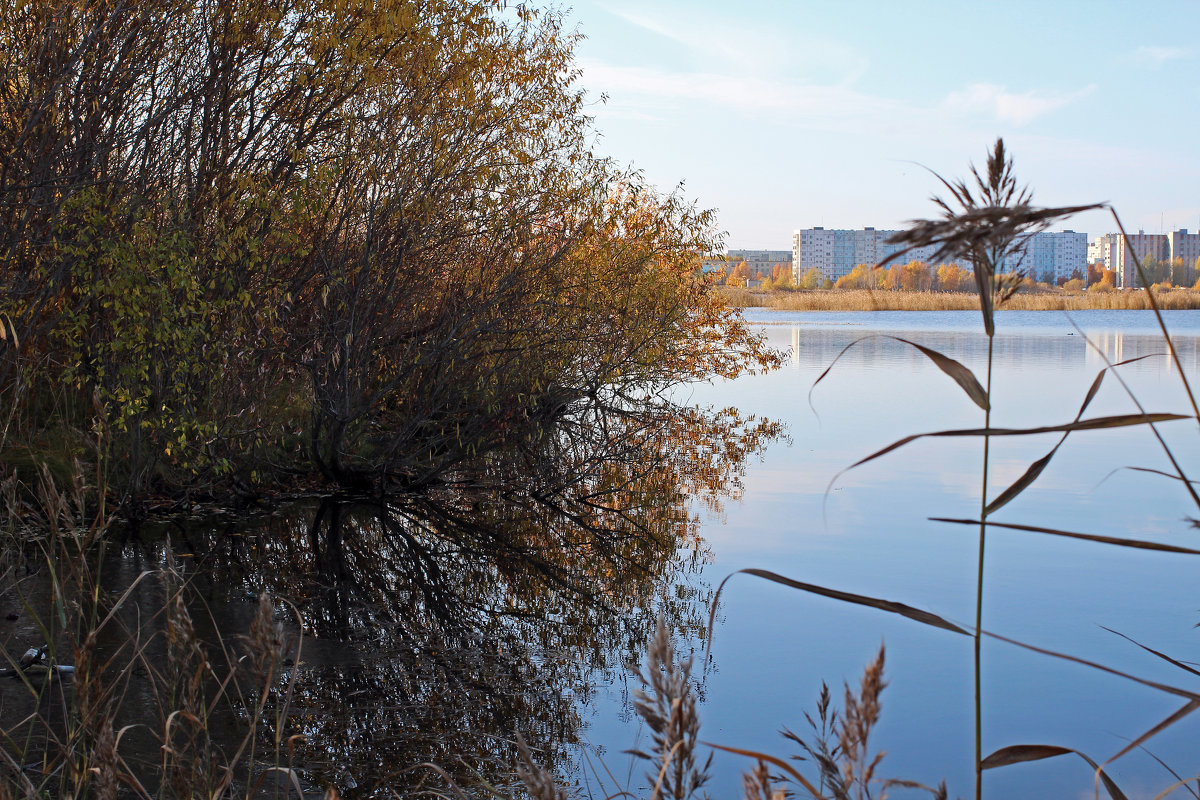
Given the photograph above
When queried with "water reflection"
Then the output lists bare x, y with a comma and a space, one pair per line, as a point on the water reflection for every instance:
433, 627
431, 640
870, 532
819, 346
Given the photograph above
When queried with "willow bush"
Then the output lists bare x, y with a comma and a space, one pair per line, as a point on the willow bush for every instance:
364, 242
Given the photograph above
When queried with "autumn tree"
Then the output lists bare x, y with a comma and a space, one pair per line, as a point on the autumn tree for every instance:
916, 277
1182, 274
1106, 283
953, 278
863, 276
1155, 269
250, 235
739, 275
893, 278
813, 278
781, 277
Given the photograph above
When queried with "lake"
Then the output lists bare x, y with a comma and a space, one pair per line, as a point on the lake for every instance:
868, 532
434, 628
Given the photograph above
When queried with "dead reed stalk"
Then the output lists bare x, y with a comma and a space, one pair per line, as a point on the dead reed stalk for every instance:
667, 702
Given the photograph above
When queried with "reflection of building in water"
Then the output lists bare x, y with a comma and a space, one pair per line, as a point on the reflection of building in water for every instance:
1119, 346
816, 346
1110, 343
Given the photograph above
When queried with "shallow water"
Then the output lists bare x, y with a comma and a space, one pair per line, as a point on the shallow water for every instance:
867, 531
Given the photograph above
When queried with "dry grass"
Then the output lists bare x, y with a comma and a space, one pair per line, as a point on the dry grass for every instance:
77, 688
882, 300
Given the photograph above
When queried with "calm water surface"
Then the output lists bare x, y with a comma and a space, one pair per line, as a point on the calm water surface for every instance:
867, 531
434, 631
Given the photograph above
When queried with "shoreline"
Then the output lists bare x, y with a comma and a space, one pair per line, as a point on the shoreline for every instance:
887, 300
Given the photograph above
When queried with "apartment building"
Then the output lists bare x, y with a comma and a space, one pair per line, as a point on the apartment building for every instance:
812, 247
1142, 244
1185, 246
1050, 257
761, 260
756, 260
1100, 250
837, 252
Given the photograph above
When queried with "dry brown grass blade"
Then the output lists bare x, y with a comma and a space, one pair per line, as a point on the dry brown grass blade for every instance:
1163, 473
1181, 782
620, 792
1024, 482
1173, 662
961, 375
786, 767
1162, 687
1138, 544
293, 780
1095, 423
1187, 484
1187, 709
458, 792
1037, 467
1019, 753
890, 606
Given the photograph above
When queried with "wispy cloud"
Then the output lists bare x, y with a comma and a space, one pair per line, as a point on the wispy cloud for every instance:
1005, 106
754, 50
1157, 56
820, 106
826, 107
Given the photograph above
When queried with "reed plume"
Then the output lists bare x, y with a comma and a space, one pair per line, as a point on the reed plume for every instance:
669, 709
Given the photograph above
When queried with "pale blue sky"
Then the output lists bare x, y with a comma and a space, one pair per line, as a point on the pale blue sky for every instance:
789, 115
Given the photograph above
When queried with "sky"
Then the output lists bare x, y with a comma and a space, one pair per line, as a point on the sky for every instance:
788, 115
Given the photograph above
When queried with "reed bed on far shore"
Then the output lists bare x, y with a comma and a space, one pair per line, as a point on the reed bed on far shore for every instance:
884, 300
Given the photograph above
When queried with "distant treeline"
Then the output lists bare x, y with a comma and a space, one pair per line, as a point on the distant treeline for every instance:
917, 276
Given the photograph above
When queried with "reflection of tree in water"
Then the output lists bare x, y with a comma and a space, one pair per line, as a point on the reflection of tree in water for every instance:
439, 624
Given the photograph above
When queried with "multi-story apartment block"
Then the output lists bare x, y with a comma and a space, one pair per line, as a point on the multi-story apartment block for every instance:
1050, 257
812, 247
838, 252
1185, 247
1112, 250
761, 260
1143, 244
756, 260
1100, 251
